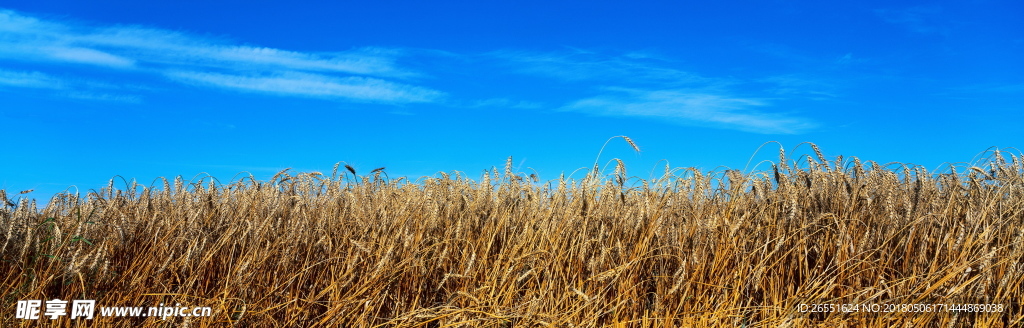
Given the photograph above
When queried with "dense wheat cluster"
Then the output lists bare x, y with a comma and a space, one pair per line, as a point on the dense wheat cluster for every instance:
687, 249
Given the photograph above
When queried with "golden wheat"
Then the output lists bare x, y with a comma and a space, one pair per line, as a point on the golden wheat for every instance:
697, 249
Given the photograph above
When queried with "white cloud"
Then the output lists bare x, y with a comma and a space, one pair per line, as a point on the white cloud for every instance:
26, 38
87, 56
29, 80
30, 39
503, 103
358, 74
87, 95
588, 66
70, 88
643, 85
357, 88
845, 59
693, 108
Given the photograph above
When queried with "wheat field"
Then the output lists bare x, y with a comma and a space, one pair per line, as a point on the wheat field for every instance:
688, 248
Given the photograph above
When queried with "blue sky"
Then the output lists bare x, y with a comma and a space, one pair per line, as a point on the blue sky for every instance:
90, 90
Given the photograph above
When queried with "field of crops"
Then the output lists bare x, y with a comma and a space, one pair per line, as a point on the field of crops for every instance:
690, 248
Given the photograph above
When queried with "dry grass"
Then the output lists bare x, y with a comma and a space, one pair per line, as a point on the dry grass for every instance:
689, 248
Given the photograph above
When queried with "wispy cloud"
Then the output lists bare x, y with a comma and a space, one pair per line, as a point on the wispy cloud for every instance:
499, 103
845, 59
643, 85
82, 56
89, 95
29, 80
70, 88
360, 74
627, 84
32, 39
357, 88
797, 59
580, 65
692, 107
